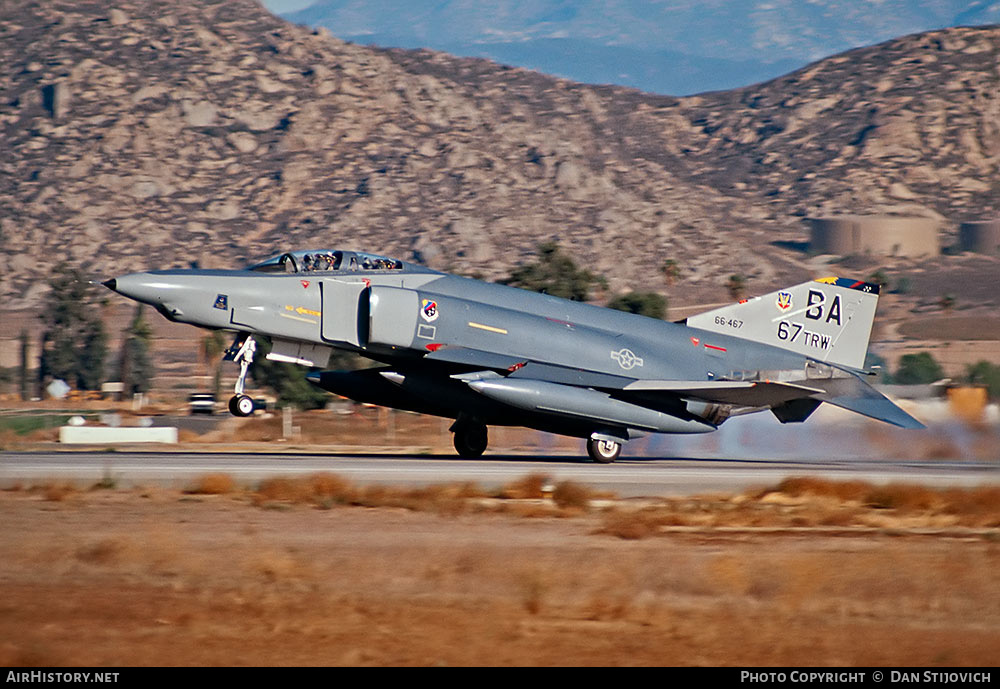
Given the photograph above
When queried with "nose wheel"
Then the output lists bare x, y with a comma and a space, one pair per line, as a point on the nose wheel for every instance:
241, 352
240, 405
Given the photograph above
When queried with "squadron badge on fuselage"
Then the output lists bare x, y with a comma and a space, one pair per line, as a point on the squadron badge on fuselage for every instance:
429, 310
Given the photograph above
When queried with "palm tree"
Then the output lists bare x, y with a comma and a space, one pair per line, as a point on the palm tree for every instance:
736, 286
671, 271
210, 349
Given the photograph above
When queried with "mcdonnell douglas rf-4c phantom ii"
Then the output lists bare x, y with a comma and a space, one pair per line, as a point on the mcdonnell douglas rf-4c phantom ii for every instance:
487, 354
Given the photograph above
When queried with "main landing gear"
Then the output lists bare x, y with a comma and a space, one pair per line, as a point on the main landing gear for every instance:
471, 438
242, 353
603, 451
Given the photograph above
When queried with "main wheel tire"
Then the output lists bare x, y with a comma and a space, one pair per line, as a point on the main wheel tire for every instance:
603, 451
240, 405
471, 440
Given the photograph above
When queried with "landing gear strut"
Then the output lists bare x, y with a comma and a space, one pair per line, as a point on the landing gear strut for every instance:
242, 353
471, 438
603, 451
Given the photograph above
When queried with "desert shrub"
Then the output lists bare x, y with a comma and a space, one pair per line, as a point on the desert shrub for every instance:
212, 484
569, 494
531, 487
918, 369
649, 304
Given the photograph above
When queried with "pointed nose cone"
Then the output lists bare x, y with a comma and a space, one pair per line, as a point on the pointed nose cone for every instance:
142, 287
160, 290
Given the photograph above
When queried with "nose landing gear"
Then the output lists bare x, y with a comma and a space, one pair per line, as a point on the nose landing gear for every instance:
242, 353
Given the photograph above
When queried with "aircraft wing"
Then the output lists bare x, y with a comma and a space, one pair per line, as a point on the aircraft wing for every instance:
474, 358
749, 393
848, 392
518, 367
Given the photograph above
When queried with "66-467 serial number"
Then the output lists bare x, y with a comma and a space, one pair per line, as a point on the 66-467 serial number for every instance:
734, 323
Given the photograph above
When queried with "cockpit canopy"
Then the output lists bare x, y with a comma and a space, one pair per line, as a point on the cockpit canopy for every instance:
326, 261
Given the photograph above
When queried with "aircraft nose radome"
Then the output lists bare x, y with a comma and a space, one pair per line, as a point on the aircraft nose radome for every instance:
144, 287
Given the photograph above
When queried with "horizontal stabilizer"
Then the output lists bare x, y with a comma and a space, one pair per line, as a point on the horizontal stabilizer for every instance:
848, 392
858, 396
741, 393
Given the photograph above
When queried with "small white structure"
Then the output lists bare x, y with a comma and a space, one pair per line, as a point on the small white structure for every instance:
100, 435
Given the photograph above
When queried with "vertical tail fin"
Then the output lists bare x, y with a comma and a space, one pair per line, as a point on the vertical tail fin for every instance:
829, 319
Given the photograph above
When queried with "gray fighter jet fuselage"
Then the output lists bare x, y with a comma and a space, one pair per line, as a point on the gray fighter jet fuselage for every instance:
487, 354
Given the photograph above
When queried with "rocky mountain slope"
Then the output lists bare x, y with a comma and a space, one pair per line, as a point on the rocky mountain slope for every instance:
157, 134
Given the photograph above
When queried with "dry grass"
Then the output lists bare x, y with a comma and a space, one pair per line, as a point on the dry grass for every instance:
322, 490
531, 487
798, 486
53, 490
104, 552
642, 523
325, 491
117, 578
798, 502
808, 502
213, 484
451, 499
531, 496
979, 507
973, 507
57, 491
571, 495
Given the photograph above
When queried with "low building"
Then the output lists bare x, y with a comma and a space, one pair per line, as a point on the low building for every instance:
981, 236
880, 235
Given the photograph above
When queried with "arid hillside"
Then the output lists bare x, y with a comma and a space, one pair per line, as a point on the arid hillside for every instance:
143, 134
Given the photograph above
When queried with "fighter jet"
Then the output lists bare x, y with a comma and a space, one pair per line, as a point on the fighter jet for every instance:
491, 355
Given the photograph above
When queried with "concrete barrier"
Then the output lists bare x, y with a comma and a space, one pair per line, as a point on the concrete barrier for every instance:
99, 435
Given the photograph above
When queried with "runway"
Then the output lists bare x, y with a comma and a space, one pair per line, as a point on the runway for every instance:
629, 477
